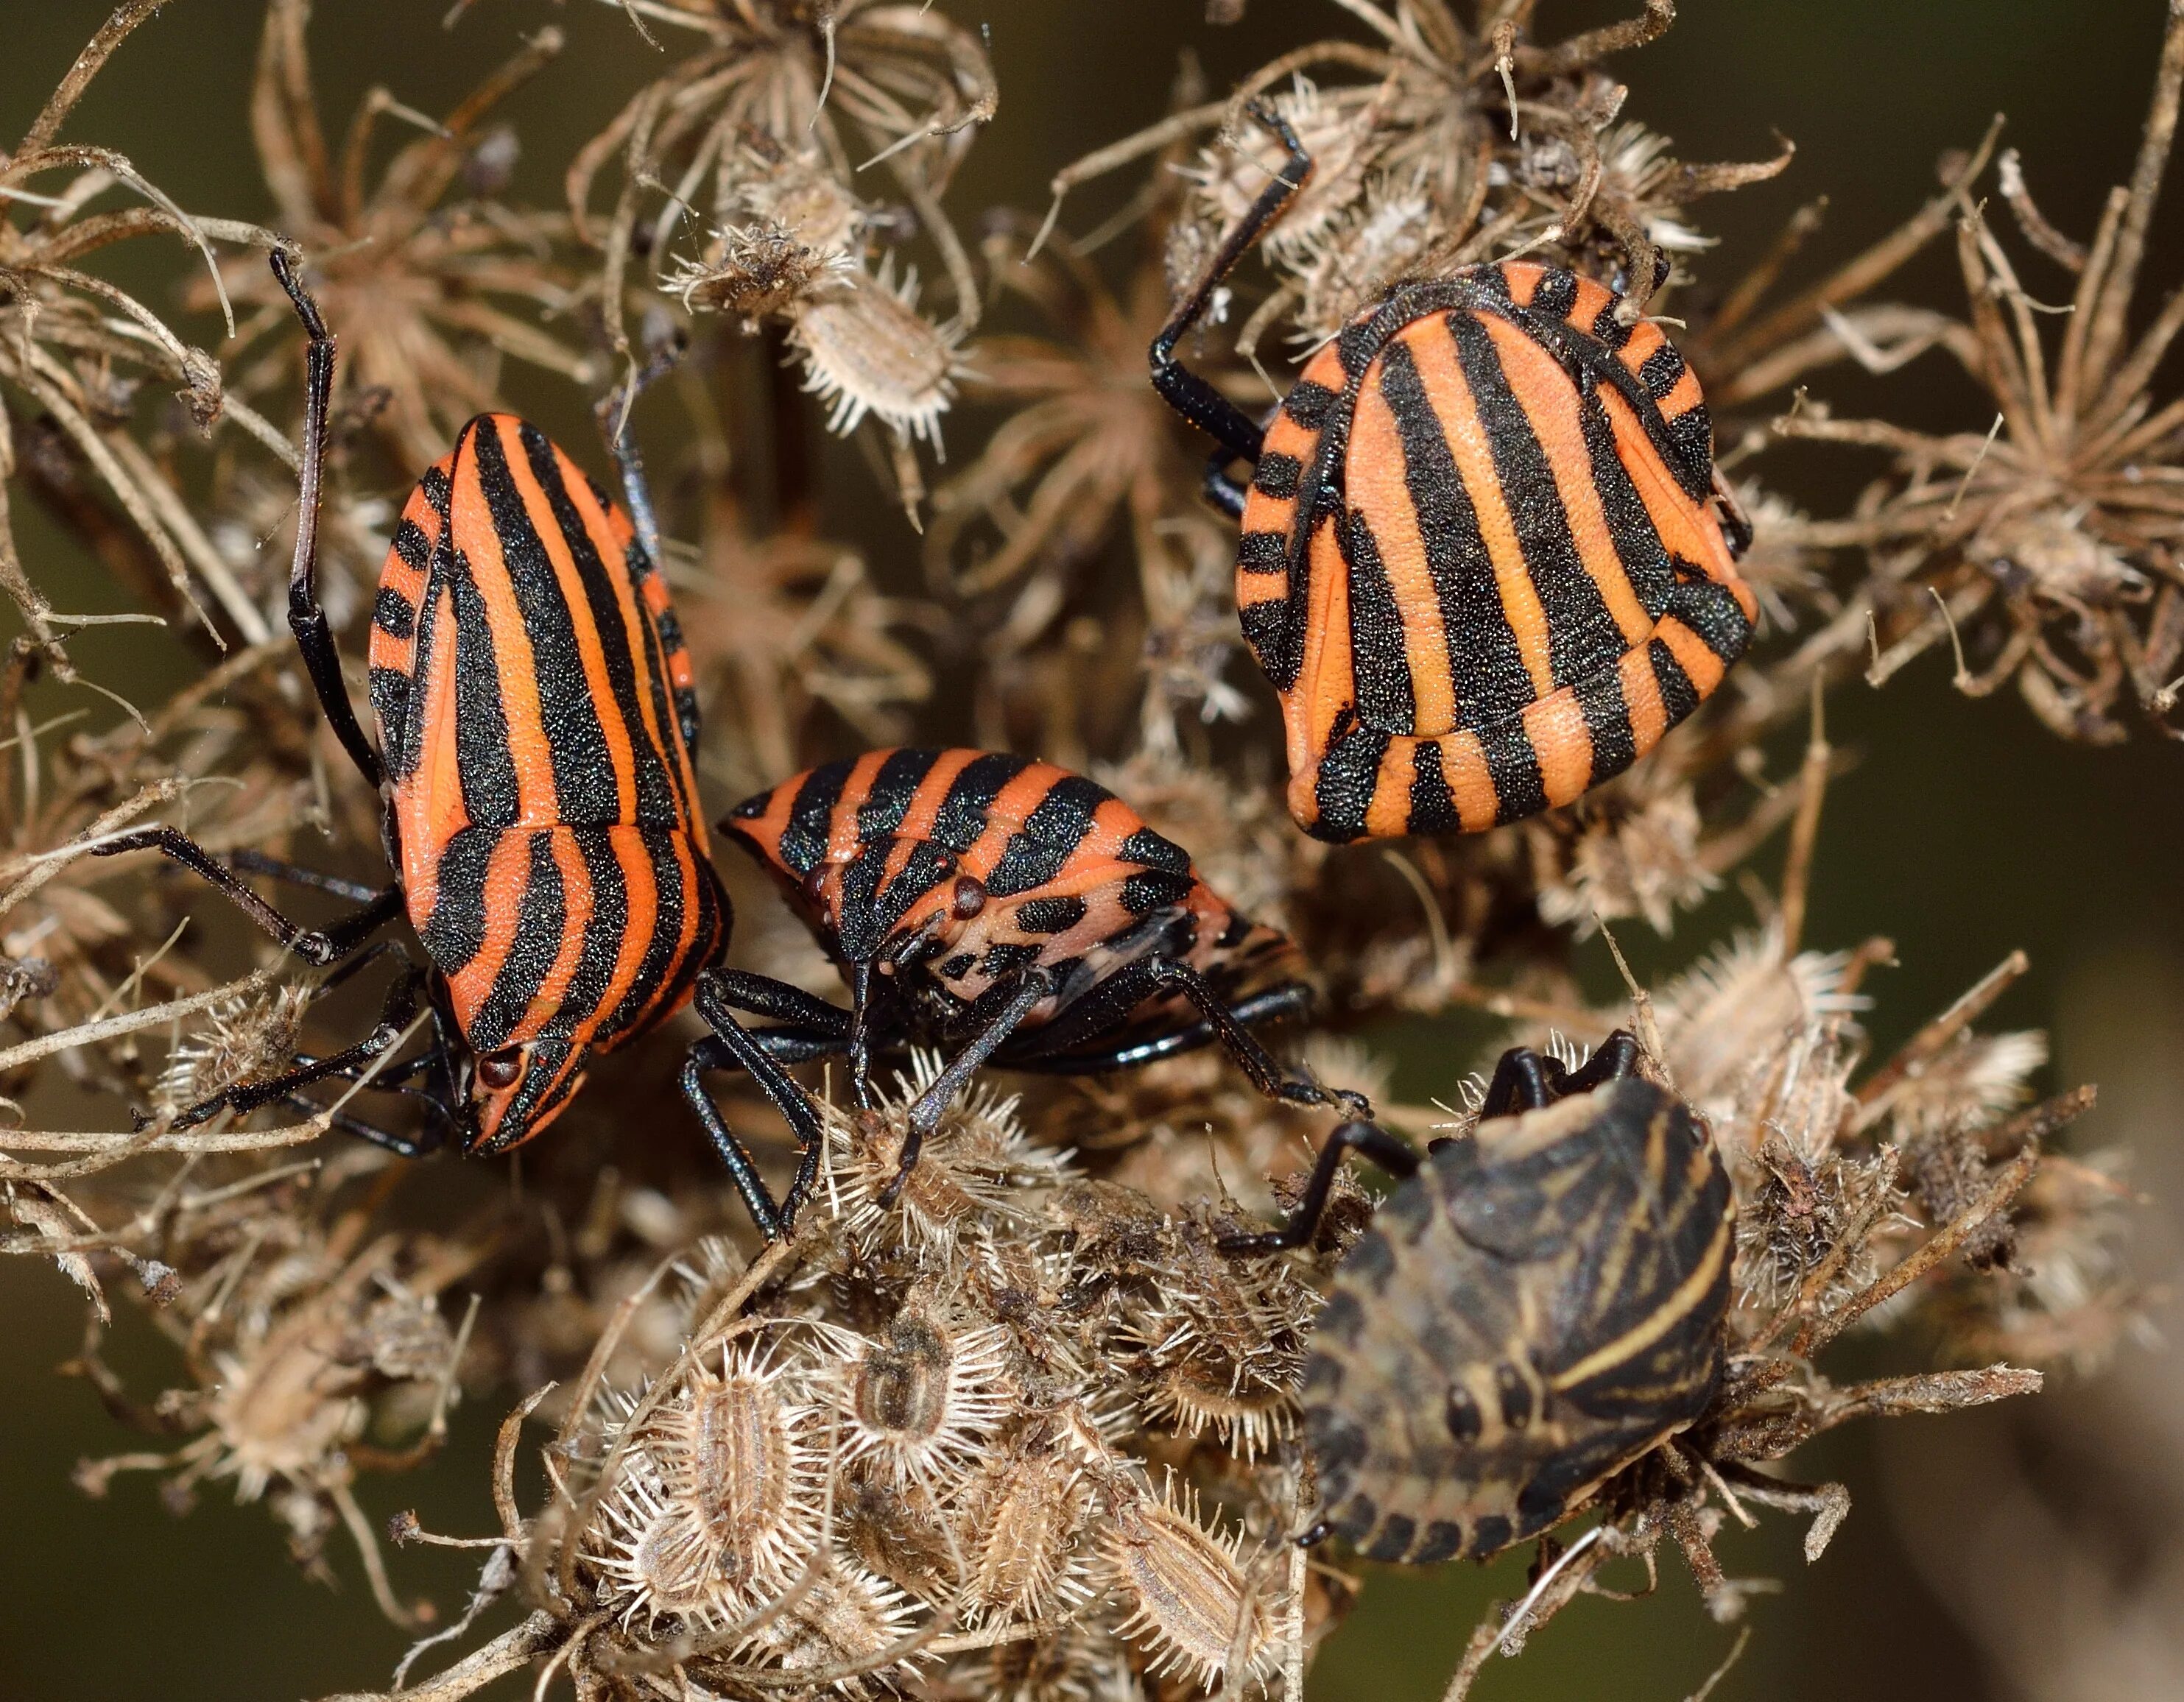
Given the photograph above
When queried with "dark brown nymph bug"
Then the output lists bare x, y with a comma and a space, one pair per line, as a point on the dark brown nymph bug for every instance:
1533, 1308
1001, 909
1486, 560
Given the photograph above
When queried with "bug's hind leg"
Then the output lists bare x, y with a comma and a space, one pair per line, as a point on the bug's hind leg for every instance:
1614, 1058
306, 618
1191, 396
318, 947
731, 1046
1395, 1156
1288, 998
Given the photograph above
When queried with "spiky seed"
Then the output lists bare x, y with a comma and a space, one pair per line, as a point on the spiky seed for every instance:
1027, 1508
924, 1391
1192, 1606
867, 350
847, 1617
736, 1454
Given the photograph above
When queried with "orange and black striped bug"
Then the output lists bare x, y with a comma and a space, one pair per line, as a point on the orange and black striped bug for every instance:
1486, 558
1002, 907
537, 726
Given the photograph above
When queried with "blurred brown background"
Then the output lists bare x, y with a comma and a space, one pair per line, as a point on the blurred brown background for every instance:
2032, 1553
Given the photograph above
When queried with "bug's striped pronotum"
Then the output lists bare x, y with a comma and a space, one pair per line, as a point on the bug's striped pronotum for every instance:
1532, 1309
1007, 910
1486, 559
534, 762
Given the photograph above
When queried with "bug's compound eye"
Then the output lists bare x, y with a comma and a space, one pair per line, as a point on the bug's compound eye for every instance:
969, 898
813, 886
500, 1071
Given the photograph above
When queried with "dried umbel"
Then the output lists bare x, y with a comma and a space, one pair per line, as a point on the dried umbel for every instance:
2045, 548
1194, 1606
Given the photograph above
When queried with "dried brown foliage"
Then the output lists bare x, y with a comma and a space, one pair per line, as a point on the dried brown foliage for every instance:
1024, 1434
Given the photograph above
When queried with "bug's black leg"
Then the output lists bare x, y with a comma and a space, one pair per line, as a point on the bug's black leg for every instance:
931, 1104
1288, 998
315, 946
1736, 523
790, 1044
1267, 1075
1521, 1082
403, 1146
1183, 390
861, 1035
1392, 1155
1616, 1057
732, 1046
307, 620
258, 863
1223, 489
395, 1016
762, 995
612, 411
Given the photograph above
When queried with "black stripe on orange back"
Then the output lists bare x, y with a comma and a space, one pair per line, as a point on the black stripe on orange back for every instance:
1710, 610
1691, 438
1155, 851
811, 817
963, 813
926, 867
893, 789
858, 925
1050, 833
454, 933
1514, 768
584, 789
411, 544
1343, 789
1433, 806
392, 614
1660, 370
1637, 543
1263, 551
484, 763
393, 692
390, 693
1487, 666
1679, 696
1264, 624
1608, 721
659, 965
1556, 293
604, 930
1309, 403
1379, 660
659, 800
1276, 476
1582, 634
435, 485
1606, 329
1153, 889
534, 942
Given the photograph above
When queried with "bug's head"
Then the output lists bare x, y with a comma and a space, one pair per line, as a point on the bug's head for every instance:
513, 1094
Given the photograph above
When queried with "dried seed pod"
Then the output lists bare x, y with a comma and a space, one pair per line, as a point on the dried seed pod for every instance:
923, 1391
1024, 1511
847, 1617
867, 349
1192, 1606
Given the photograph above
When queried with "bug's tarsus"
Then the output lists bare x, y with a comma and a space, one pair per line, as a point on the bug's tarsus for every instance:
395, 1016
1313, 1534
1391, 1153
318, 947
307, 619
1612, 1060
1191, 396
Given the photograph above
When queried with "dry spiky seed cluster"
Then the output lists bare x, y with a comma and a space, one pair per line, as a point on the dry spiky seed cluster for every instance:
1024, 1432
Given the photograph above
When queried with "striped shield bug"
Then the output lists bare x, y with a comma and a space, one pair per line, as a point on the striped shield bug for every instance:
1001, 909
1533, 1309
1486, 559
536, 725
